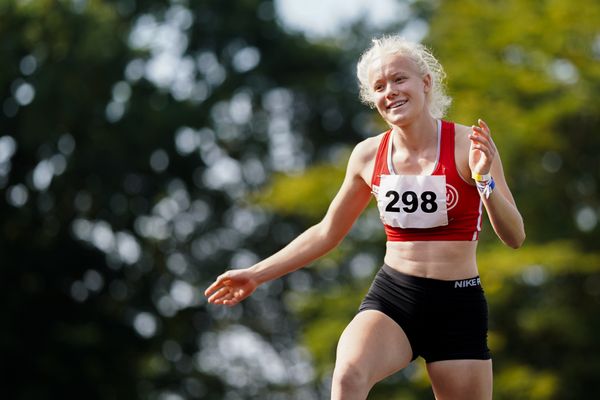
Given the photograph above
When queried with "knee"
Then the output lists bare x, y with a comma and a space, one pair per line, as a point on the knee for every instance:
350, 377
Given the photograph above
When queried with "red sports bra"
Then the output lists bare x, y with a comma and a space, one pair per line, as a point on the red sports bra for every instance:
462, 203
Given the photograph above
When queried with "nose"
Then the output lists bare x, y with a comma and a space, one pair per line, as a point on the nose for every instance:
391, 91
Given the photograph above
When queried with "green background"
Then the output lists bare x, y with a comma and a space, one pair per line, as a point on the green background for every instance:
128, 183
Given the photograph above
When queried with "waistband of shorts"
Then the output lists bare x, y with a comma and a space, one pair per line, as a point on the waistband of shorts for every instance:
474, 282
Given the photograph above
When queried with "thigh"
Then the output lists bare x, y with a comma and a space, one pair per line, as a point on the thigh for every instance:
456, 327
375, 343
461, 379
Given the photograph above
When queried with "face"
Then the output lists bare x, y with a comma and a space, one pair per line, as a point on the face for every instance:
399, 89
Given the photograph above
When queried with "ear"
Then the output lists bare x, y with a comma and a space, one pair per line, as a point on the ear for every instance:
427, 83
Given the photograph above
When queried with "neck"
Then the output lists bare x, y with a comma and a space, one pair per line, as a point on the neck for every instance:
417, 135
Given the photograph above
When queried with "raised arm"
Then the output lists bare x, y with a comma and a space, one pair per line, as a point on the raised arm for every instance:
500, 205
353, 196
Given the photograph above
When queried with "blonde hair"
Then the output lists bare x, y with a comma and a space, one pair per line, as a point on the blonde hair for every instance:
437, 100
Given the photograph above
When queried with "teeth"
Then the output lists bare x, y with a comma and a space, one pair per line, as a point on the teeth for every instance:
397, 104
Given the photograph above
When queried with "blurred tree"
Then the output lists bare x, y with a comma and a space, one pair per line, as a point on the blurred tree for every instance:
146, 145
531, 71
131, 134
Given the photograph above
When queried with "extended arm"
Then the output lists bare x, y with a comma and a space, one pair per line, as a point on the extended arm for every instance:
352, 198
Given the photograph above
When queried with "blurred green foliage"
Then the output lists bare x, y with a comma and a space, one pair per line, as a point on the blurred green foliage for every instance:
307, 194
147, 145
531, 71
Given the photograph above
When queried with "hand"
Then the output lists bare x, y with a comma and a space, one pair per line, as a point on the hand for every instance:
231, 287
482, 150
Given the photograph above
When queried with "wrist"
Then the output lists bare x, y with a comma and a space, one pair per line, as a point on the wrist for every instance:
481, 177
257, 275
486, 188
261, 273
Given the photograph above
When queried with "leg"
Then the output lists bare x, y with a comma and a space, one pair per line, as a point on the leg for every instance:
371, 348
461, 379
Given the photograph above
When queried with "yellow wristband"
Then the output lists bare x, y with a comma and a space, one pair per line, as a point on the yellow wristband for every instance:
481, 178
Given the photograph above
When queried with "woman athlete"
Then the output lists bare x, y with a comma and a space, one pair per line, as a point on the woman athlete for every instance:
431, 179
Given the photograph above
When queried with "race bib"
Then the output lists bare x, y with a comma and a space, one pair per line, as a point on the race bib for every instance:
413, 201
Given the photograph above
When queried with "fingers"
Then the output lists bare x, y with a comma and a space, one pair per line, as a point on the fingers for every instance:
227, 295
224, 295
223, 291
221, 281
230, 288
483, 125
217, 295
481, 129
483, 149
216, 288
481, 142
481, 138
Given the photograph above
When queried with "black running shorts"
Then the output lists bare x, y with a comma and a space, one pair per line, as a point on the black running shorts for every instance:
443, 320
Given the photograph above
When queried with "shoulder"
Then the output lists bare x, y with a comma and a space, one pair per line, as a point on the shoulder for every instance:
461, 132
462, 144
366, 150
461, 136
362, 159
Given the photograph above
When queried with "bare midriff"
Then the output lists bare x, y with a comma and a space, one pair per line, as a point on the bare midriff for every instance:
444, 260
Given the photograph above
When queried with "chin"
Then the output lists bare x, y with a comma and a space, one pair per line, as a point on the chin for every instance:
400, 120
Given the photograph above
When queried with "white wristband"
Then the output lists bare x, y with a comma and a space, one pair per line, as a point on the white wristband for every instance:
486, 188
481, 178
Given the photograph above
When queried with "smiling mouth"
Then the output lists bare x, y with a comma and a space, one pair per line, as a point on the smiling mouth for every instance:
397, 104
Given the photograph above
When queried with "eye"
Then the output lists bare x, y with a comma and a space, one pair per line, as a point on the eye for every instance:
400, 79
378, 87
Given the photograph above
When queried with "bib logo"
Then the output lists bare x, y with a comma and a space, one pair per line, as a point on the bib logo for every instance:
451, 197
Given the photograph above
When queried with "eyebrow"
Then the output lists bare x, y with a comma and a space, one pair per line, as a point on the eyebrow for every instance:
377, 82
